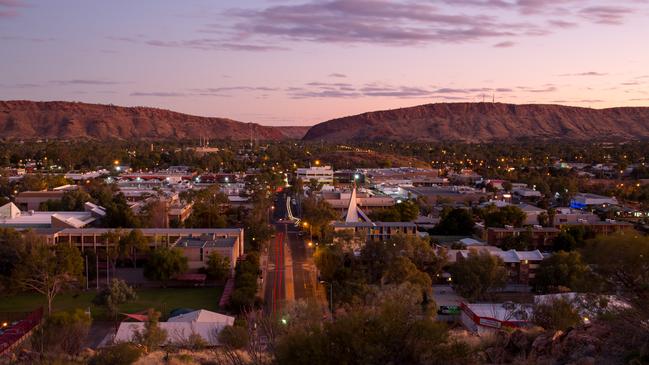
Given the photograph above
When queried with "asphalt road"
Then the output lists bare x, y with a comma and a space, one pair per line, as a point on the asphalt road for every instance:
290, 270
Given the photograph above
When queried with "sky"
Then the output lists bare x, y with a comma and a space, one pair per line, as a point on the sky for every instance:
301, 62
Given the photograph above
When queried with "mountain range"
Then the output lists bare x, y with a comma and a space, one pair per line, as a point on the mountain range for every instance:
480, 122
469, 122
67, 120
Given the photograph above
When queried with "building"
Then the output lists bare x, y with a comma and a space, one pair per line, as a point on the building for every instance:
605, 228
487, 318
198, 249
376, 231
94, 238
531, 213
339, 200
566, 215
12, 217
321, 174
179, 328
540, 237
586, 200
447, 194
412, 176
521, 265
32, 200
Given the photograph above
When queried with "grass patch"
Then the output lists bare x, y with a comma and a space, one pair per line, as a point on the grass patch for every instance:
162, 299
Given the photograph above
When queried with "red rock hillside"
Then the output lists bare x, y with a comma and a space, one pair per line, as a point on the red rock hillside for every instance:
479, 122
66, 120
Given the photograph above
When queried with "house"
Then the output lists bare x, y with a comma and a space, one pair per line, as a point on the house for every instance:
202, 322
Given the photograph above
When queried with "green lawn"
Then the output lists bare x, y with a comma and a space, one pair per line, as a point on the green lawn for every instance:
163, 300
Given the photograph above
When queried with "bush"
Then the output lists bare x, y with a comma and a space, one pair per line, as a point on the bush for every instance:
234, 337
119, 354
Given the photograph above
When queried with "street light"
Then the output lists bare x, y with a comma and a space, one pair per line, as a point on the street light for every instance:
331, 298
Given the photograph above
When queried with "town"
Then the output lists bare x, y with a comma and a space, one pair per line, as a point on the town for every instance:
295, 252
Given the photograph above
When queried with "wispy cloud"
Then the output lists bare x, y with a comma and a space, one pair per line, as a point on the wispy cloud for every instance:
370, 90
85, 82
203, 44
588, 73
160, 94
337, 75
505, 44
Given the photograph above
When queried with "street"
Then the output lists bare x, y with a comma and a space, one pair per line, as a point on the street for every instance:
290, 273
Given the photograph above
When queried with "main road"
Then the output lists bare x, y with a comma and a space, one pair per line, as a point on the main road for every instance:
290, 272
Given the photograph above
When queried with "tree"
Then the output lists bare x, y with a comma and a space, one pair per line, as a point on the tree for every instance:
49, 271
621, 263
129, 244
562, 269
152, 336
392, 332
406, 211
455, 222
478, 274
218, 267
116, 294
164, 264
209, 208
63, 332
402, 270
564, 242
500, 217
318, 214
11, 244
557, 314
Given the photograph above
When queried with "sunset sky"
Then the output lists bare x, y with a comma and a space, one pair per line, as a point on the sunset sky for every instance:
301, 62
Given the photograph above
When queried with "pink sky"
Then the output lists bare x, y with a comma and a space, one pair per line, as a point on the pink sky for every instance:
301, 62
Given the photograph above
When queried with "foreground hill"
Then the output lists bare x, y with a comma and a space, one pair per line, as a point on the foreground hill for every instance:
477, 122
57, 119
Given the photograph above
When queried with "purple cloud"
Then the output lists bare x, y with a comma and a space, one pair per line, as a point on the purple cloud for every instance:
610, 15
370, 21
337, 75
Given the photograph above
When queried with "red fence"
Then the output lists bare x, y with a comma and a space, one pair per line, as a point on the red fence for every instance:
13, 334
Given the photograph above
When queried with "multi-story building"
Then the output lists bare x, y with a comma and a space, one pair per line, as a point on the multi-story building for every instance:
539, 237
321, 174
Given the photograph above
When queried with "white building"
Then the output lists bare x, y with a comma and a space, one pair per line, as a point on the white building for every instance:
321, 174
201, 322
